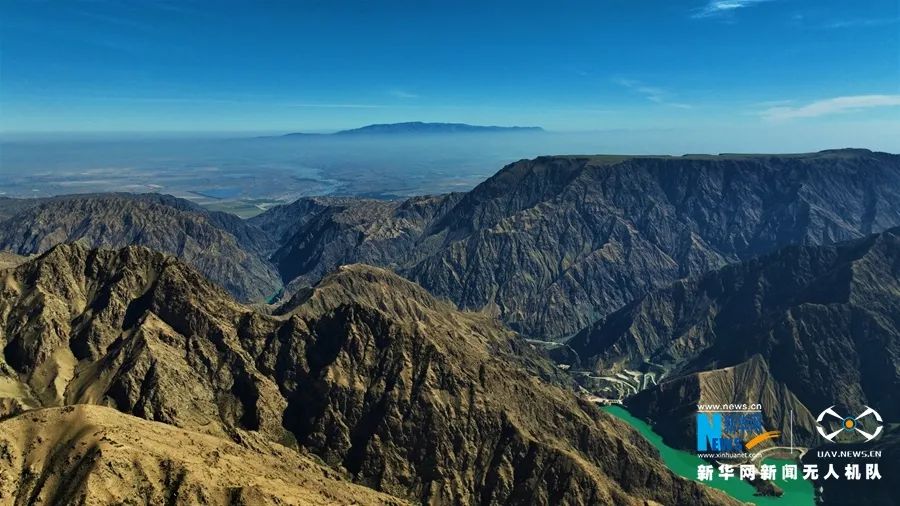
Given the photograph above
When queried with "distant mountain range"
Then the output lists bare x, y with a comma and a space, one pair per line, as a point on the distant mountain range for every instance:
223, 247
418, 127
548, 245
551, 245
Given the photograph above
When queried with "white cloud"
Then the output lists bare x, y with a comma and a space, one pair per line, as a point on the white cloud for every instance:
831, 106
651, 93
724, 7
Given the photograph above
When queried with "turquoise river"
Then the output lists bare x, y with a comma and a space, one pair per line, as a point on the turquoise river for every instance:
796, 492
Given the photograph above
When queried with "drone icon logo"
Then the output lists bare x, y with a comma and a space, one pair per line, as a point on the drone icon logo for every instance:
848, 424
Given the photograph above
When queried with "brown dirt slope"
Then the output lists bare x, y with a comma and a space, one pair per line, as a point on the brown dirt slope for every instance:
8, 259
96, 455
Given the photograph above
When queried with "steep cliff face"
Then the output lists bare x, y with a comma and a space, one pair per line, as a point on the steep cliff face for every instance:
319, 234
223, 247
672, 405
824, 320
366, 370
134, 329
96, 455
552, 244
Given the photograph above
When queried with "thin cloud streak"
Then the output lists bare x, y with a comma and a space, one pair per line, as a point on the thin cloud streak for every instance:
403, 94
861, 23
724, 7
830, 106
338, 106
651, 93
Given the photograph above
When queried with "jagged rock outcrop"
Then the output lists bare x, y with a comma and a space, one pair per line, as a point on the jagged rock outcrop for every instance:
222, 246
96, 455
367, 370
819, 325
131, 328
10, 259
320, 234
551, 245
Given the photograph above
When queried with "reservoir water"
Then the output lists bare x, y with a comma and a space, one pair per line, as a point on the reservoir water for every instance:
796, 492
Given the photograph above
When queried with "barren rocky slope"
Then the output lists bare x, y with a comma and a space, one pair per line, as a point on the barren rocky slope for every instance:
10, 206
319, 234
548, 245
226, 249
10, 259
808, 326
553, 244
96, 455
368, 371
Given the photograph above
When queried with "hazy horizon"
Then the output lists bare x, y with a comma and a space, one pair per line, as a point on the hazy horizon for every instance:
731, 139
246, 174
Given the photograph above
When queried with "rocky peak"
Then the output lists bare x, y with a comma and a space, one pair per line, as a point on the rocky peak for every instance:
823, 320
552, 244
369, 372
226, 249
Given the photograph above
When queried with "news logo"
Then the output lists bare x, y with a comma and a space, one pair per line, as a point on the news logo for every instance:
730, 429
849, 426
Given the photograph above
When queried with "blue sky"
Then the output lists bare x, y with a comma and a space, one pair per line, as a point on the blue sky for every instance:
750, 66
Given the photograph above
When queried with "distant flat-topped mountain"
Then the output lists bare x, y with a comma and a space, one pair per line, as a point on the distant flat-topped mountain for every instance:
419, 127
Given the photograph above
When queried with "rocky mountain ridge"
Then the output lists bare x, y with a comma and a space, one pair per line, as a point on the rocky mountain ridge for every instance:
548, 245
222, 246
551, 245
810, 326
399, 390
387, 382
